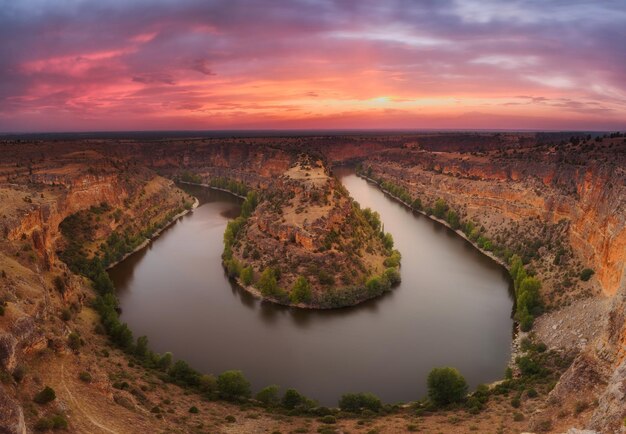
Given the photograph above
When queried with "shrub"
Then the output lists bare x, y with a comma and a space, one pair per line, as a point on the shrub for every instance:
292, 399
446, 386
246, 275
440, 208
356, 402
184, 374
194, 410
586, 274
59, 284
528, 366
232, 385
268, 284
393, 260
74, 341
66, 315
392, 275
85, 376
44, 424
165, 362
515, 402
268, 395
230, 419
329, 419
301, 292
59, 422
45, 396
531, 393
580, 406
208, 385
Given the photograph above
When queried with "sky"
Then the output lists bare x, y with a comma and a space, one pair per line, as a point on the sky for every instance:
84, 65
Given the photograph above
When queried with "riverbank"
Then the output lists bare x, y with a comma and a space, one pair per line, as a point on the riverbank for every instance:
156, 233
459, 232
518, 335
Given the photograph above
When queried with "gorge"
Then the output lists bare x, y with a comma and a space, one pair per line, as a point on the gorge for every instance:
556, 204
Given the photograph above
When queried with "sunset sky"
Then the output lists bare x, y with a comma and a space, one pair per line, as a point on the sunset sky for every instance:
76, 65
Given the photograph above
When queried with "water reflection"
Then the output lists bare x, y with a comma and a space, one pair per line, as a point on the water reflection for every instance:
452, 308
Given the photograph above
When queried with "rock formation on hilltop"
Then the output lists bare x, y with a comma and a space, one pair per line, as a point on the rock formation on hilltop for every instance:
309, 244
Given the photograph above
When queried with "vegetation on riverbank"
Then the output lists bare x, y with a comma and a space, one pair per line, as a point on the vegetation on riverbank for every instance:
528, 301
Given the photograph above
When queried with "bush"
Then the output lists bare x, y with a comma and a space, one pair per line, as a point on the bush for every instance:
393, 260
230, 419
74, 341
208, 385
66, 315
232, 385
292, 399
446, 386
184, 374
85, 376
246, 275
357, 402
45, 396
268, 396
59, 422
194, 410
44, 424
329, 419
268, 284
440, 208
392, 275
301, 292
586, 274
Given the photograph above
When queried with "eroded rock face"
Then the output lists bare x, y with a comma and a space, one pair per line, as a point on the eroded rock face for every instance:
23, 337
610, 414
11, 415
8, 348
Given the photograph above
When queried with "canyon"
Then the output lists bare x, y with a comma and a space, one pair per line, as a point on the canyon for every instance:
558, 203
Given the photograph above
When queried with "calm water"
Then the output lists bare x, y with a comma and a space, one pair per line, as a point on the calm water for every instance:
452, 309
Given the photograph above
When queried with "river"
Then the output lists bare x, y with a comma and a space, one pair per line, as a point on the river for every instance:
453, 308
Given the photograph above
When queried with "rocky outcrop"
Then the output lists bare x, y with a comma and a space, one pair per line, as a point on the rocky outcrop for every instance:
11, 415
307, 226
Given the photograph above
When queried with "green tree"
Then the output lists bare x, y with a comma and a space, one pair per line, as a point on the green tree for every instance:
45, 396
141, 348
301, 292
446, 386
292, 399
356, 402
268, 395
182, 373
232, 385
392, 275
586, 274
453, 219
208, 385
246, 275
267, 284
388, 241
440, 208
165, 362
